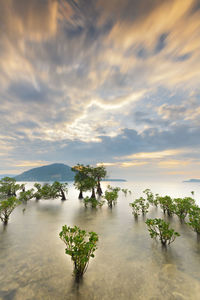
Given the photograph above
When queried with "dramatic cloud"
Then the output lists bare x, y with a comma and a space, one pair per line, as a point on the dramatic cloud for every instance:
100, 81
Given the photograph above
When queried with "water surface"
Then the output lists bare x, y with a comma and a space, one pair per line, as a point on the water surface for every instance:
128, 263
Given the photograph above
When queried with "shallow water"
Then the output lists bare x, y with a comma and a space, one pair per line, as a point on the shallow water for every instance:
128, 264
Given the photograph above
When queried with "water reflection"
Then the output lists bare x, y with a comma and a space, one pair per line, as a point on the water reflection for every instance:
128, 263
50, 208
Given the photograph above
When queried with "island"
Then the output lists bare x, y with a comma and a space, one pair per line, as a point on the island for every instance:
192, 180
49, 173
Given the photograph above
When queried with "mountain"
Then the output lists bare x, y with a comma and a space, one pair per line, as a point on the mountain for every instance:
54, 172
192, 180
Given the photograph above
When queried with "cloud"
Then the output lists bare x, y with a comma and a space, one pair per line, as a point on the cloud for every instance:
33, 19
173, 163
90, 81
172, 112
188, 112
153, 155
31, 164
124, 164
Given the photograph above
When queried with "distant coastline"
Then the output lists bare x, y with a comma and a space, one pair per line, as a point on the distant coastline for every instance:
50, 173
192, 180
32, 180
114, 179
7, 175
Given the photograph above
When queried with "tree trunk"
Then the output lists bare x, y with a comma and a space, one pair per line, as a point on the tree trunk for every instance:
63, 195
93, 194
99, 190
80, 195
5, 220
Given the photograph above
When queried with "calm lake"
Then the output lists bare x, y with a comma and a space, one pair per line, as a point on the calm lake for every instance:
128, 264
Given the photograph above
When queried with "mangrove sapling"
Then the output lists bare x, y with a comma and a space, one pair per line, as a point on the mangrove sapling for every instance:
150, 196
45, 191
80, 177
167, 205
23, 187
25, 196
130, 192
99, 173
125, 191
139, 205
38, 194
159, 228
8, 187
194, 218
111, 196
143, 205
80, 245
58, 189
183, 206
92, 202
115, 189
6, 208
156, 200
48, 191
42, 191
135, 208
153, 200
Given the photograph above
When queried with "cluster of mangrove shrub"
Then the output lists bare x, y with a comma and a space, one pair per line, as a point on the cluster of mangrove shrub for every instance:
13, 194
153, 200
80, 245
6, 208
194, 218
88, 178
111, 195
182, 207
48, 191
170, 206
139, 205
9, 187
8, 197
126, 191
160, 228
92, 202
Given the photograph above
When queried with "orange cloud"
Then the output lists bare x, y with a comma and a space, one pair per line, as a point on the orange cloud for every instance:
33, 19
123, 164
173, 163
153, 155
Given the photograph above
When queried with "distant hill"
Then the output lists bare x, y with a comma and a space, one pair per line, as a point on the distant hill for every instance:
54, 172
192, 180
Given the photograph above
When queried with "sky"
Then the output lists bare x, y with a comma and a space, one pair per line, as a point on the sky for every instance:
97, 81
